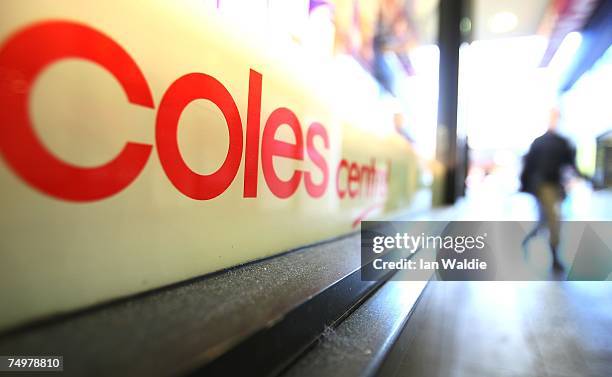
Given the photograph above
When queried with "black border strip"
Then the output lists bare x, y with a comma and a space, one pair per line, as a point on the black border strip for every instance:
272, 349
66, 316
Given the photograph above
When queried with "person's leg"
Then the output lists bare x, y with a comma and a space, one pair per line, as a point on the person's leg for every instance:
537, 227
549, 197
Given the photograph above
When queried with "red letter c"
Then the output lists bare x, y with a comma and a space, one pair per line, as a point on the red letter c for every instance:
22, 58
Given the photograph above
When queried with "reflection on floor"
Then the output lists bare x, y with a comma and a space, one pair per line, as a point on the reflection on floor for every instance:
490, 329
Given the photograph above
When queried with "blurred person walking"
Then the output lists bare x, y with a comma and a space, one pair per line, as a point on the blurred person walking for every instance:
542, 176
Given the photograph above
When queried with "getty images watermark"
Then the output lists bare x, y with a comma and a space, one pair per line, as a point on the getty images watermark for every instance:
483, 250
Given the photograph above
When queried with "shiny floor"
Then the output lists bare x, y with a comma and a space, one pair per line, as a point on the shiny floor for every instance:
560, 329
490, 329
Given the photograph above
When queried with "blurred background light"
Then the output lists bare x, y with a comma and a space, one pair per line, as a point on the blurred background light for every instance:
503, 22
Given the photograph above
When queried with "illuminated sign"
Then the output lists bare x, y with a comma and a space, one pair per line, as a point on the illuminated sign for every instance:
144, 146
